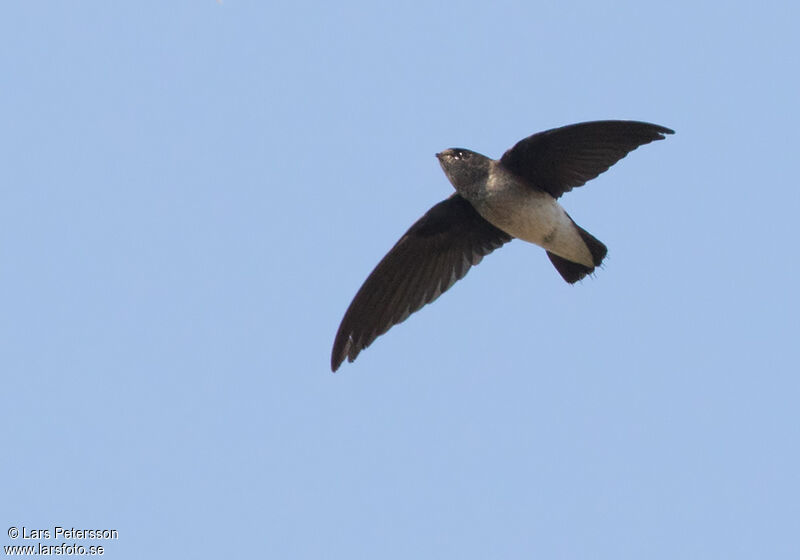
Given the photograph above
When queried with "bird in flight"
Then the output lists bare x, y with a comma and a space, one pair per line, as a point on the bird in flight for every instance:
495, 201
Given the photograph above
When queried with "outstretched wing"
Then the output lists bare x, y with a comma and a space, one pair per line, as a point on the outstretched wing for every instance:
435, 252
560, 159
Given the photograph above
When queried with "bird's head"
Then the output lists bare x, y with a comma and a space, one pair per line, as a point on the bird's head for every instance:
464, 168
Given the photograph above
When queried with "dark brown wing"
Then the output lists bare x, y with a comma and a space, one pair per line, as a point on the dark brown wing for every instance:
435, 252
560, 159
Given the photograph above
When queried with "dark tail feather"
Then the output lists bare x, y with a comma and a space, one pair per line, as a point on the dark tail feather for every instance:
572, 271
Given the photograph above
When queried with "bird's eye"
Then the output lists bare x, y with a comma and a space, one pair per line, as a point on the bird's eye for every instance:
461, 154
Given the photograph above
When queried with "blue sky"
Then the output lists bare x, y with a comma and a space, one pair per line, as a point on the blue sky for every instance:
192, 192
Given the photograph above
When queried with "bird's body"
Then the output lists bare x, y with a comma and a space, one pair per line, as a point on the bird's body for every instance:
530, 214
495, 201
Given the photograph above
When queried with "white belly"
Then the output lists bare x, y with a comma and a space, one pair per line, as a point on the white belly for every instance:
538, 218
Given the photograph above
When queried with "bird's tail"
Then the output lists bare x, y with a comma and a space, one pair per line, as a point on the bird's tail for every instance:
572, 271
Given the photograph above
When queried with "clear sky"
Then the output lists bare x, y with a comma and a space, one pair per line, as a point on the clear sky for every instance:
192, 192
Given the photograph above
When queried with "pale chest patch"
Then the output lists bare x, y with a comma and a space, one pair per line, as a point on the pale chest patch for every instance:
532, 215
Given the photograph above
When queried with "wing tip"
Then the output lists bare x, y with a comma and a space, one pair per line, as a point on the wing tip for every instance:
341, 349
662, 130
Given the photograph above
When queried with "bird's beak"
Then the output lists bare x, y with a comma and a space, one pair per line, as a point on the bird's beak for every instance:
439, 156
